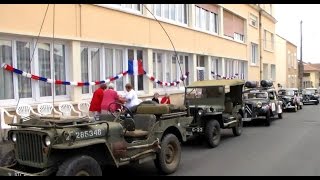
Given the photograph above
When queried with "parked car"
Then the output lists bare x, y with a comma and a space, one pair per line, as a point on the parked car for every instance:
261, 102
215, 105
290, 98
310, 96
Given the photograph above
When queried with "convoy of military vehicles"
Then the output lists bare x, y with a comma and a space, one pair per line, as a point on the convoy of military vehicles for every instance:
81, 146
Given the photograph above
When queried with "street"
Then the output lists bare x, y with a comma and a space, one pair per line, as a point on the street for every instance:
290, 146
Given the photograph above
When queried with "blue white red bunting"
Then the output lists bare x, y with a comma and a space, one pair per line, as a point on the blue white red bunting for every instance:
135, 67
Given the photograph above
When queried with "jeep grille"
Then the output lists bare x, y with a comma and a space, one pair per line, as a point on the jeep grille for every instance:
29, 147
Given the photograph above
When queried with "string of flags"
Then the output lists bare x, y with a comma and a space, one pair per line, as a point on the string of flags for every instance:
235, 76
133, 69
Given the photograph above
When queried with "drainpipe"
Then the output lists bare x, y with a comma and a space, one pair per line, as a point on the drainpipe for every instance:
260, 43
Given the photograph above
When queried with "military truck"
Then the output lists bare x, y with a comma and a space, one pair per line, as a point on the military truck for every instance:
214, 105
261, 102
80, 146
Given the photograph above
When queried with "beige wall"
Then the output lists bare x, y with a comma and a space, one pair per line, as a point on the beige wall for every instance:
126, 29
292, 72
281, 59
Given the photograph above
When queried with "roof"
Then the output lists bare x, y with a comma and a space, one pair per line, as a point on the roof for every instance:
224, 82
311, 67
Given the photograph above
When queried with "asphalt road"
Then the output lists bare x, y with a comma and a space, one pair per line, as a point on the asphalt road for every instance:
290, 146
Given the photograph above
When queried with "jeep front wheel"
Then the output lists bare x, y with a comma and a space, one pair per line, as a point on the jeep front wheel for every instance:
168, 159
213, 133
8, 159
80, 166
237, 130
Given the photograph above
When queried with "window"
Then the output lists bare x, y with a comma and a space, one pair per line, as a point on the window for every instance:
216, 66
242, 70
200, 68
6, 79
166, 67
253, 20
254, 54
268, 40
136, 80
233, 26
126, 7
90, 67
229, 68
24, 64
273, 72
172, 12
114, 65
207, 17
265, 71
17, 53
46, 68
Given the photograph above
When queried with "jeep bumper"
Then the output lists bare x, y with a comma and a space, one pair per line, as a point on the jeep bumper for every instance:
9, 171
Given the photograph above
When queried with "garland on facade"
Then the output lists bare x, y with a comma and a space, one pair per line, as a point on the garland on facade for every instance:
174, 83
235, 76
73, 83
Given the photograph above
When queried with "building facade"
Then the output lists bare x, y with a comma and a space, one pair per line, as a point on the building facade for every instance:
287, 63
311, 75
93, 42
292, 64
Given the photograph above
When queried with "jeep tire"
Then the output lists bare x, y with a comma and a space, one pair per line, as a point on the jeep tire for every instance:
237, 130
213, 133
80, 166
168, 159
268, 120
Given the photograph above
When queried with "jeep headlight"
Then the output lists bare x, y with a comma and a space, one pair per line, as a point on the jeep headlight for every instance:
200, 112
14, 137
47, 141
259, 104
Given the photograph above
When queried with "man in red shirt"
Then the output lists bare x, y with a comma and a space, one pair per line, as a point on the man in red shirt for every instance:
95, 105
110, 96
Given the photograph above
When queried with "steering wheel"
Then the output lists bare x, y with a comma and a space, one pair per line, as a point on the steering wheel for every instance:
123, 110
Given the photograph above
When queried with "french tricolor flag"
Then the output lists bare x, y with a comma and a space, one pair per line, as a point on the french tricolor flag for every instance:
135, 67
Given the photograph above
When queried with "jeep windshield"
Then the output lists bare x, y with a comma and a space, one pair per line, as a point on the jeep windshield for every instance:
206, 92
286, 92
256, 95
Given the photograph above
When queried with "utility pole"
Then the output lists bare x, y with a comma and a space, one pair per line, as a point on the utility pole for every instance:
260, 43
300, 69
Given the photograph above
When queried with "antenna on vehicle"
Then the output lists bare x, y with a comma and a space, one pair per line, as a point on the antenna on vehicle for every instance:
54, 73
34, 48
175, 52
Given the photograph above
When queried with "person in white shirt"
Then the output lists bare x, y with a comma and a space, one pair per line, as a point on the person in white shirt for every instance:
131, 97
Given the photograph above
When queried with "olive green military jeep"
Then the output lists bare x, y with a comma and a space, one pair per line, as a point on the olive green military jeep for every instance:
214, 104
80, 146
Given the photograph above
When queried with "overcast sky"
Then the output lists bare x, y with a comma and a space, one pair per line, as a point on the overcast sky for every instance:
288, 27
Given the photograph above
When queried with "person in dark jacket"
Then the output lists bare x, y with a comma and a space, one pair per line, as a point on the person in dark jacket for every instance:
156, 97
